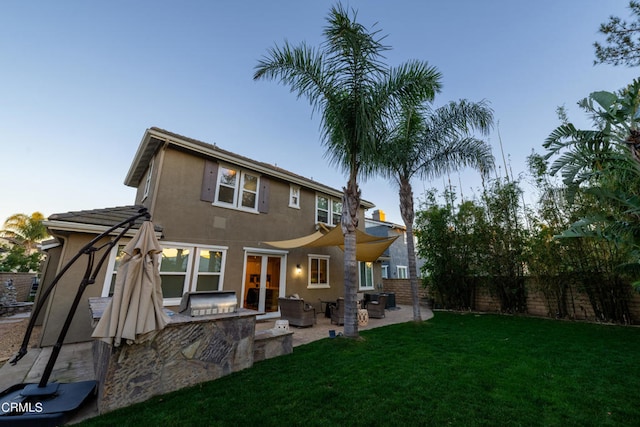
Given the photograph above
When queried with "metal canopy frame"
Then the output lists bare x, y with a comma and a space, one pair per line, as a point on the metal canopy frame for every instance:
56, 399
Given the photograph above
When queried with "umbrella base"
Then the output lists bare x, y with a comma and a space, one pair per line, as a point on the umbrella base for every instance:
30, 405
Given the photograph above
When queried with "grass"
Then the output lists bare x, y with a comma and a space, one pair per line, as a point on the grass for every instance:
456, 369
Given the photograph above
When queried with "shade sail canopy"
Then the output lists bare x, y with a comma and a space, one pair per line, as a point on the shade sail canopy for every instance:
368, 247
371, 251
296, 243
136, 306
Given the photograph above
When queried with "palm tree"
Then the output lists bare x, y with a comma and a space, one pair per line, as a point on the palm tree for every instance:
617, 119
425, 143
346, 81
604, 164
25, 230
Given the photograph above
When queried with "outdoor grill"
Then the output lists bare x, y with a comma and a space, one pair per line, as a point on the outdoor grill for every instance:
208, 303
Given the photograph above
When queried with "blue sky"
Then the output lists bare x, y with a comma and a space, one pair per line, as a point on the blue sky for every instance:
80, 82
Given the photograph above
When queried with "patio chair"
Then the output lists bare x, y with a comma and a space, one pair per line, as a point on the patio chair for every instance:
360, 299
297, 312
376, 308
337, 312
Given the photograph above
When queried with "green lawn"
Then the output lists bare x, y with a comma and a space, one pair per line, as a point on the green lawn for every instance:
456, 369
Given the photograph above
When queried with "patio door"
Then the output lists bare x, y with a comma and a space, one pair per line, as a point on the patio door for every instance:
263, 282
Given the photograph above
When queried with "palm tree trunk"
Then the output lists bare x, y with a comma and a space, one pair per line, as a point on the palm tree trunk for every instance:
408, 215
349, 223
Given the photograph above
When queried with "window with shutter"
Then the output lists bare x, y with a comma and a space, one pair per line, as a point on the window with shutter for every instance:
235, 188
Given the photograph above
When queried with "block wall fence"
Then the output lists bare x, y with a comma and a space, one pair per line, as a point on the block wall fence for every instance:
580, 309
22, 283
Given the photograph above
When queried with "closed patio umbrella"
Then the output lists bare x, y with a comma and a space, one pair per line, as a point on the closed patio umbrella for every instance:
136, 306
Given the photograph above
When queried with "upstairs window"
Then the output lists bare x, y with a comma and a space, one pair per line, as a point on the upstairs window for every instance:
336, 210
237, 189
294, 196
328, 211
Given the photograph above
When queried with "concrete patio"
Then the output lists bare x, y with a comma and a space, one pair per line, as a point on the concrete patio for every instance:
401, 314
75, 362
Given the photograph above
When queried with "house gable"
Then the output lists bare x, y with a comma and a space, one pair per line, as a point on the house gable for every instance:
155, 138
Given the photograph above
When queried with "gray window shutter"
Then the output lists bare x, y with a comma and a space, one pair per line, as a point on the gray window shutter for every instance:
263, 201
209, 179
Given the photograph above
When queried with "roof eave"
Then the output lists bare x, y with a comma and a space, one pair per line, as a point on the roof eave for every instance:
142, 158
78, 227
148, 147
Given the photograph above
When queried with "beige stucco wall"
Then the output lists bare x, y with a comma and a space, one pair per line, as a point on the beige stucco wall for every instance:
48, 271
185, 218
61, 298
175, 205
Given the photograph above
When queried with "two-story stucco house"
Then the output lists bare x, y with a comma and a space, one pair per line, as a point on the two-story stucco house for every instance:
213, 211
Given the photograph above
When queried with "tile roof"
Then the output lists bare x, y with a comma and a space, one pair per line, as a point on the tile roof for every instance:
107, 217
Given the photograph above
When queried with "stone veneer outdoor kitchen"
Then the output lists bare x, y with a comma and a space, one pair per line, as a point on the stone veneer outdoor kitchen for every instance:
188, 351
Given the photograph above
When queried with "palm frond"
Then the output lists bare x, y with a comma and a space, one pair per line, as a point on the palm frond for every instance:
566, 135
442, 156
301, 68
353, 53
462, 117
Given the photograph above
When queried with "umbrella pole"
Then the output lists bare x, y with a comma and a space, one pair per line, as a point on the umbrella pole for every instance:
89, 249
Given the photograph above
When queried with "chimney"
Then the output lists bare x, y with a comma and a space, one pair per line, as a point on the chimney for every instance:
378, 215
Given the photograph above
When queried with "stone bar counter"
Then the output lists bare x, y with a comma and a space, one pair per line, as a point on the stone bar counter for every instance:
188, 351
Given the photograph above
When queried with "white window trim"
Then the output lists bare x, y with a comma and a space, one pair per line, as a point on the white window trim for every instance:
333, 201
316, 219
385, 271
360, 285
111, 263
318, 285
191, 274
330, 212
187, 274
223, 263
251, 251
405, 269
294, 192
237, 190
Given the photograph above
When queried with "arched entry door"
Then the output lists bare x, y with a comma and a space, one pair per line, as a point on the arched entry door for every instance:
264, 281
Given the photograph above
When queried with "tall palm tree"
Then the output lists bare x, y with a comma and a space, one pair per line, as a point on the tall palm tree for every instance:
425, 143
355, 92
25, 230
617, 120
